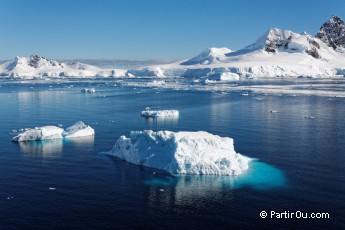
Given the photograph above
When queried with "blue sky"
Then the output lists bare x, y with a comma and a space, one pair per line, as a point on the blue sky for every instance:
149, 29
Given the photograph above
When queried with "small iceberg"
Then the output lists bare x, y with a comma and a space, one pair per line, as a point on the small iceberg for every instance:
88, 90
181, 152
79, 129
159, 113
39, 133
309, 117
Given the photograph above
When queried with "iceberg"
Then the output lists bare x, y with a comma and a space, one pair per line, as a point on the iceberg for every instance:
224, 76
181, 152
39, 133
90, 90
79, 129
159, 113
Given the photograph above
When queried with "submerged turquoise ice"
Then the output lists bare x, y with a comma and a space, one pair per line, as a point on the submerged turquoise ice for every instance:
259, 176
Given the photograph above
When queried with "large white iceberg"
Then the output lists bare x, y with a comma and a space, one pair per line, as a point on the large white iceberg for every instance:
159, 113
39, 133
181, 152
79, 129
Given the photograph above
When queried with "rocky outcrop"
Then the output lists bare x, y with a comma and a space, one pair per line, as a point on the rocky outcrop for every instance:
332, 33
38, 61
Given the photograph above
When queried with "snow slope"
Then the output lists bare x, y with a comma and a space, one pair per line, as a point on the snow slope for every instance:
181, 152
208, 56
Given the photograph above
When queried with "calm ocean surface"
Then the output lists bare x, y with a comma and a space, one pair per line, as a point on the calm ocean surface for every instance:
300, 167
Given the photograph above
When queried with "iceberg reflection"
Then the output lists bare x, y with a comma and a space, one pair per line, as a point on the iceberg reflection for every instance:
85, 142
161, 120
45, 149
162, 187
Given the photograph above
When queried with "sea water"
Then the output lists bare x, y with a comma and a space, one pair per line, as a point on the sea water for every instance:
297, 141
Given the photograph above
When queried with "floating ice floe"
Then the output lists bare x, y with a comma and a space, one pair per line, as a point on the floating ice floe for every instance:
181, 152
79, 129
309, 117
88, 90
159, 113
39, 133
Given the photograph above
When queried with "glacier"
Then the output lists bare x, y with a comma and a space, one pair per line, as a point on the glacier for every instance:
181, 152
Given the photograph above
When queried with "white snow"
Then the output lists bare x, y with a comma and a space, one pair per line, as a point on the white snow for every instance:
79, 129
159, 113
209, 56
181, 152
39, 133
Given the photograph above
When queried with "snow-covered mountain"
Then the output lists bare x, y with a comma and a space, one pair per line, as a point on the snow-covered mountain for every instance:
36, 66
277, 53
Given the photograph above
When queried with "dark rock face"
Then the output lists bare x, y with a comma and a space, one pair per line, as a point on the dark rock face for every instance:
35, 61
313, 52
332, 32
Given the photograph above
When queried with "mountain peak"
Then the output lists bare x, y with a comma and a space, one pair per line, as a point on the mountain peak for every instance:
332, 33
335, 19
208, 56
